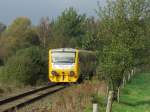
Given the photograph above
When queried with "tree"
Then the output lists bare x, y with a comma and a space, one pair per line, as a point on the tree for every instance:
123, 35
18, 27
44, 31
31, 38
90, 40
26, 67
20, 34
71, 26
2, 27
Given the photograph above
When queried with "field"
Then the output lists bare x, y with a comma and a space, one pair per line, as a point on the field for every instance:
135, 97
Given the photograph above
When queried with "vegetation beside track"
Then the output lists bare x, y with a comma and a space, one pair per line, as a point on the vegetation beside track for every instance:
72, 99
135, 97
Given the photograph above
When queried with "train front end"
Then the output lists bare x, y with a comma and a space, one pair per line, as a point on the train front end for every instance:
63, 65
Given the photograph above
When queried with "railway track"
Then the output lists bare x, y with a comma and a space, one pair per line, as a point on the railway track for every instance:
15, 102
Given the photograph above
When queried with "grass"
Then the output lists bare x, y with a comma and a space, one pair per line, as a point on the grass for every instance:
73, 99
135, 97
7, 88
101, 104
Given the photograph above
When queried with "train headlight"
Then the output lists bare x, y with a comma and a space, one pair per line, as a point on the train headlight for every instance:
54, 73
72, 73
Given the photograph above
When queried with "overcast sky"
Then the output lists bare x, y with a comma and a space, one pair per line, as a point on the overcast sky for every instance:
35, 9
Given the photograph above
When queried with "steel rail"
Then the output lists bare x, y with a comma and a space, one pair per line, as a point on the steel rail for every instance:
25, 97
10, 99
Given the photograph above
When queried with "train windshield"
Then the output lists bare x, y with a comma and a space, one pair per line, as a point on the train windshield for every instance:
63, 57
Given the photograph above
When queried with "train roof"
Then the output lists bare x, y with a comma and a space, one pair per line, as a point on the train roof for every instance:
71, 50
64, 49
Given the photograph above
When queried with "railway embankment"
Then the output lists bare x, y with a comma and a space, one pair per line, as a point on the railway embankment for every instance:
7, 91
135, 97
20, 100
75, 98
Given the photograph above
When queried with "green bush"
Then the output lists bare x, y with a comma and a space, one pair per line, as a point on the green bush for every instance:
1, 72
26, 67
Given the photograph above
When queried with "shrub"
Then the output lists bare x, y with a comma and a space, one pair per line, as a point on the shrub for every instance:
26, 67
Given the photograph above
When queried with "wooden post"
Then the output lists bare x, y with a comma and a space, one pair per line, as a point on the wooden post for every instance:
107, 92
95, 107
110, 101
132, 72
129, 76
118, 95
124, 81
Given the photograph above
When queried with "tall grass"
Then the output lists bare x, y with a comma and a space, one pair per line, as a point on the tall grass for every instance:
76, 98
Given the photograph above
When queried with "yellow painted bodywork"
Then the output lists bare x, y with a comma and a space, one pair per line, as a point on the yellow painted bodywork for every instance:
64, 74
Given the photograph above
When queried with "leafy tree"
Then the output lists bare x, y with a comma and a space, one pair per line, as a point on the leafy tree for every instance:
123, 35
2, 27
27, 67
18, 35
90, 40
70, 25
18, 27
31, 38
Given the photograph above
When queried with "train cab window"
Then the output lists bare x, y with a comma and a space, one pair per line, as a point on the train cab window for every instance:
63, 57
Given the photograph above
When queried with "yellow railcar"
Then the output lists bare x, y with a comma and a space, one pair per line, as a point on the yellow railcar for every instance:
65, 64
